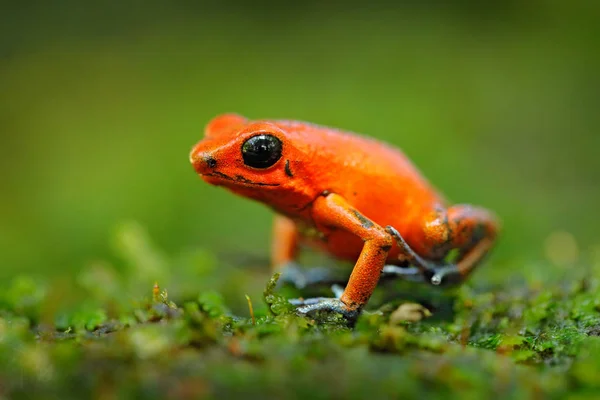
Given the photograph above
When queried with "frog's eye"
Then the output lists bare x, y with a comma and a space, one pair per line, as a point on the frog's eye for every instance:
261, 151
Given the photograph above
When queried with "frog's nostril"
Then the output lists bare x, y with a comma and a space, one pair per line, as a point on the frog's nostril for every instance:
203, 162
210, 161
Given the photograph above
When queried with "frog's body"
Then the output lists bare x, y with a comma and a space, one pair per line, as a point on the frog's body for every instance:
338, 190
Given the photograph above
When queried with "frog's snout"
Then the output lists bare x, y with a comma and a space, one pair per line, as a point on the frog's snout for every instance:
203, 162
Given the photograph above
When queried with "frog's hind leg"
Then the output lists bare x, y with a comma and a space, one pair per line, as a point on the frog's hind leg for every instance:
469, 230
472, 232
422, 270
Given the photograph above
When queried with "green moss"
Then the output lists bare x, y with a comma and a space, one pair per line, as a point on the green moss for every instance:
129, 338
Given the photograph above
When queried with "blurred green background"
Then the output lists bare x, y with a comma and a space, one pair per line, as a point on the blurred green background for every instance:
100, 104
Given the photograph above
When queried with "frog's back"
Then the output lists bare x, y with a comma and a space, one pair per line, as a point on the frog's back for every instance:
377, 179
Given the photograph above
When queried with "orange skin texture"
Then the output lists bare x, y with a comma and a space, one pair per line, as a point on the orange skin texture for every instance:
337, 191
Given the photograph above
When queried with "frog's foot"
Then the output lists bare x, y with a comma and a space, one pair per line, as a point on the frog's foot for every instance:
292, 273
441, 275
317, 305
447, 275
412, 274
423, 270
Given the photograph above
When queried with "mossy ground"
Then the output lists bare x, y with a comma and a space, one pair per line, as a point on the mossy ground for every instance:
114, 334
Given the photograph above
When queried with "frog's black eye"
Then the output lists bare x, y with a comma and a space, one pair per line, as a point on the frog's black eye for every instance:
261, 151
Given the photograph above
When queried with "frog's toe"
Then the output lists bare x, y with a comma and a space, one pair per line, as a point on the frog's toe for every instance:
447, 275
314, 306
412, 274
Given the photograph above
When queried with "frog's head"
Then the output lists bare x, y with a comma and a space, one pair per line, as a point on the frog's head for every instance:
250, 158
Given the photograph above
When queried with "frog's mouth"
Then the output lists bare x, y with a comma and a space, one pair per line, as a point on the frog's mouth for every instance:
238, 179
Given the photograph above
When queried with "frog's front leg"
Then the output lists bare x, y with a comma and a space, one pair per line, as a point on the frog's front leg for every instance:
284, 251
284, 244
333, 212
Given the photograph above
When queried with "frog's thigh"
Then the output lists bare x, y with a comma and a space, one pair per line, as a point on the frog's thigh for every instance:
470, 230
332, 212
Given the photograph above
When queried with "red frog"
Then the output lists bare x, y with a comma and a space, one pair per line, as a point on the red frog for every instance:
354, 197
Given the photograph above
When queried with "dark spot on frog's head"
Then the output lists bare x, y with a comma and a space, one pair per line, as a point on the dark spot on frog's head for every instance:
288, 171
364, 221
